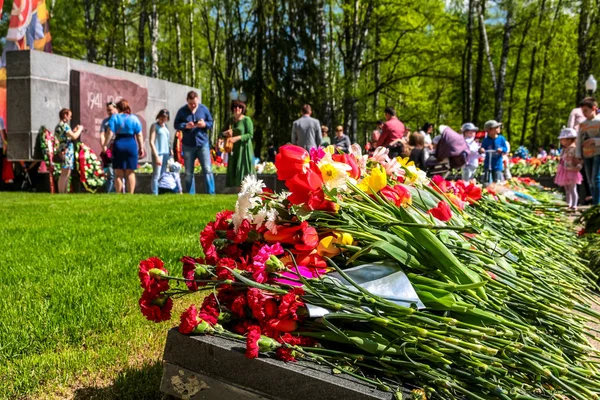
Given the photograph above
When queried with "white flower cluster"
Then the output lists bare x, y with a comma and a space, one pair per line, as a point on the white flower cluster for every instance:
249, 200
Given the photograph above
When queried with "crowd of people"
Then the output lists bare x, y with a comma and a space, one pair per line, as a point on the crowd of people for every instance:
438, 154
123, 146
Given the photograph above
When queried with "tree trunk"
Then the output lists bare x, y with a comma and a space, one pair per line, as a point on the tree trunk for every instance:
479, 71
501, 83
515, 76
154, 39
192, 45
585, 42
91, 24
323, 64
332, 77
468, 65
178, 46
142, 39
259, 81
486, 45
125, 41
531, 73
376, 65
547, 44
355, 32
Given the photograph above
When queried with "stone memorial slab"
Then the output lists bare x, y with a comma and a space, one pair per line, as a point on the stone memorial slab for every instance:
213, 368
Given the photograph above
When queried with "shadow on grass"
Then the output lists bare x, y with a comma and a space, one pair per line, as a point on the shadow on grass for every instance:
132, 383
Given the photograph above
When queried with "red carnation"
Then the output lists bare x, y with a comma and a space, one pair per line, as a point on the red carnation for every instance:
150, 273
297, 340
257, 300
209, 311
189, 320
285, 354
189, 271
154, 308
222, 220
442, 211
221, 270
241, 234
207, 237
242, 326
252, 341
290, 161
238, 305
288, 307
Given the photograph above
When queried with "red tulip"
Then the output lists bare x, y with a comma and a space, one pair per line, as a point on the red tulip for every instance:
303, 184
304, 237
472, 193
283, 325
350, 160
290, 161
399, 195
441, 185
442, 211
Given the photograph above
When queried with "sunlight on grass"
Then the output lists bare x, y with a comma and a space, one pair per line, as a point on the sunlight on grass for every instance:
69, 318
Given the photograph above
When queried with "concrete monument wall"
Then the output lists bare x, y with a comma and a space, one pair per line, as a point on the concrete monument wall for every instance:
38, 86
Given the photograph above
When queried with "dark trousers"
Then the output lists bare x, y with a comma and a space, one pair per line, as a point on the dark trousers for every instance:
165, 190
586, 186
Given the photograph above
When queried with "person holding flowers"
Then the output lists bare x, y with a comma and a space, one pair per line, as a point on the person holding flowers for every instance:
66, 147
568, 174
241, 159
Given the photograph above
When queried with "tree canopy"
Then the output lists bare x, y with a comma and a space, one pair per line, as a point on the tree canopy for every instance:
523, 62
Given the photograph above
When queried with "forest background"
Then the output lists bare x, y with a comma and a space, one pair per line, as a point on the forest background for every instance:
522, 62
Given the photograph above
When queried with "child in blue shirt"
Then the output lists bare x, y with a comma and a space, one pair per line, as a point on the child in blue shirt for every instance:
494, 146
170, 180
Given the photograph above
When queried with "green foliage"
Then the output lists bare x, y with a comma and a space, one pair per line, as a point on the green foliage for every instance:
68, 299
406, 54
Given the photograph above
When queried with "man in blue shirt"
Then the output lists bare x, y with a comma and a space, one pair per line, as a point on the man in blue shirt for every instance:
494, 146
194, 120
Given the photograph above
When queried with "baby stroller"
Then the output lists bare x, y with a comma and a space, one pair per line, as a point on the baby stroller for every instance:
451, 151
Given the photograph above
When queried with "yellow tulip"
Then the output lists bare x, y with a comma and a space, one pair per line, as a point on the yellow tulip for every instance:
330, 150
374, 182
328, 245
405, 162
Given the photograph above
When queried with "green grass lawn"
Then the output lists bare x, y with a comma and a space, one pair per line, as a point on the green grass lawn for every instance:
69, 319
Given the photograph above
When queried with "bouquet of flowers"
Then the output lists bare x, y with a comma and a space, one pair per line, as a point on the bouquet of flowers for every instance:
267, 168
371, 268
48, 145
534, 166
90, 168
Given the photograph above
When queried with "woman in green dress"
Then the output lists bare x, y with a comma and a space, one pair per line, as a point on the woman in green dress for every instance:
241, 133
